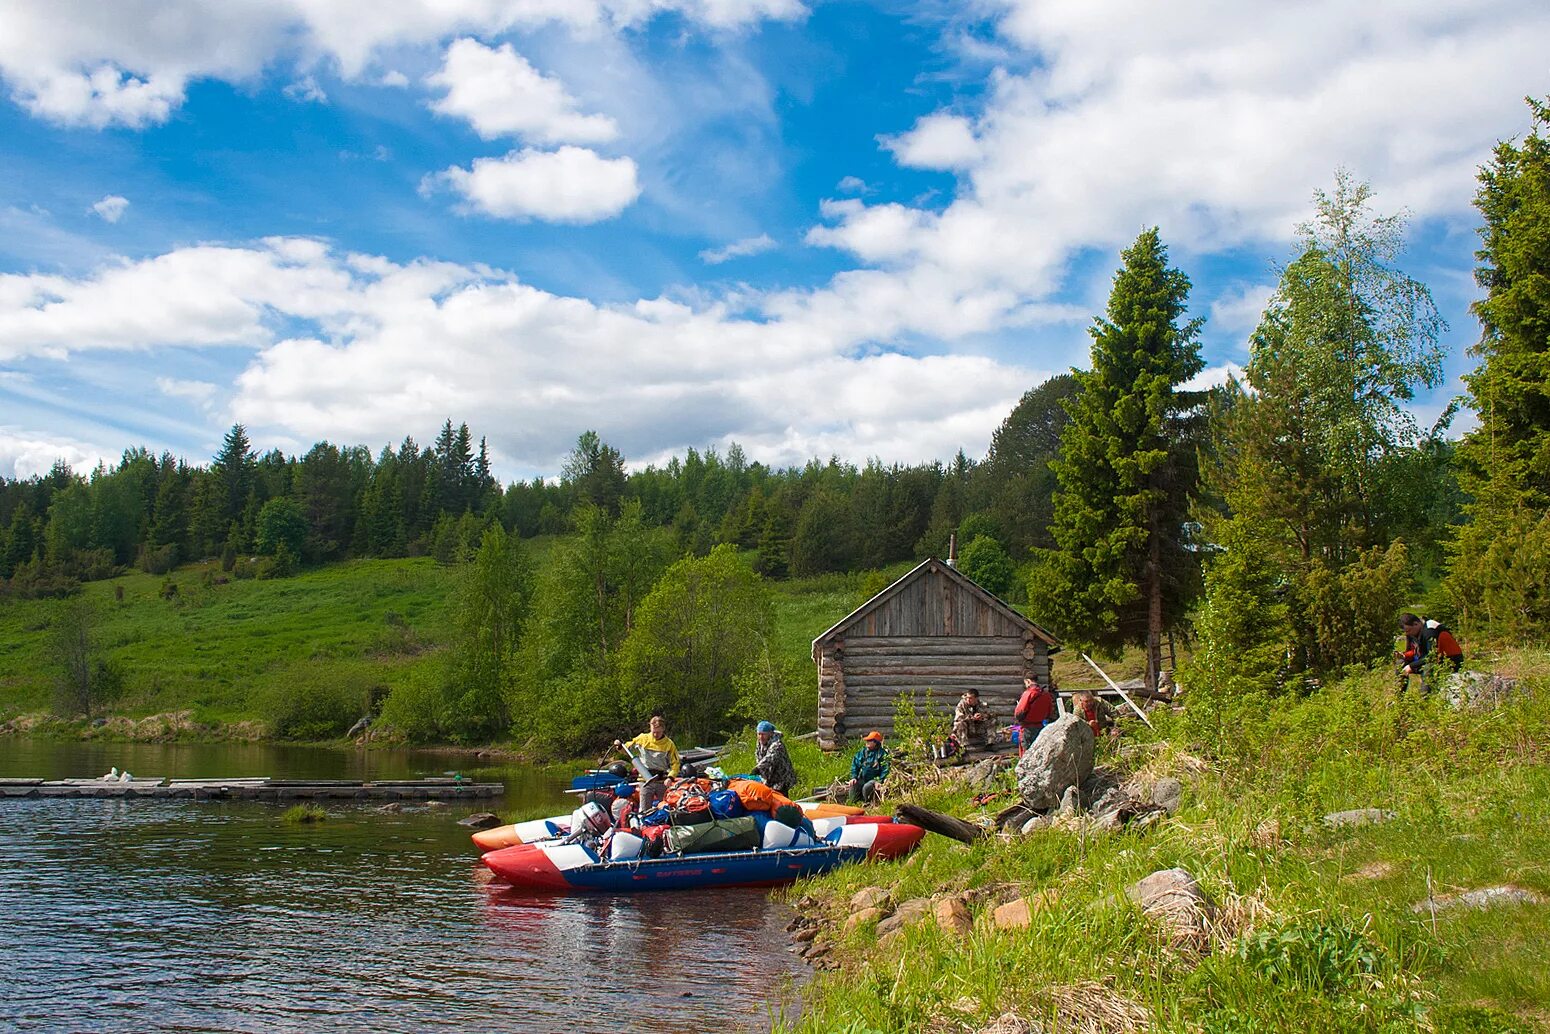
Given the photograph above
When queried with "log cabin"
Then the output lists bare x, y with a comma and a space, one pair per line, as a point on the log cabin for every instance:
929, 636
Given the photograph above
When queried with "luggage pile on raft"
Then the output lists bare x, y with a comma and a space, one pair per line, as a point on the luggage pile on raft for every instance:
708, 832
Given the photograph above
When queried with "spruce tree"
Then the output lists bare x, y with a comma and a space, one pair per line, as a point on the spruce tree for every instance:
1500, 579
1120, 571
234, 468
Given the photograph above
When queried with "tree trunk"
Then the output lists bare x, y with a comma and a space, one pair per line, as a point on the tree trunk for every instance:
1154, 610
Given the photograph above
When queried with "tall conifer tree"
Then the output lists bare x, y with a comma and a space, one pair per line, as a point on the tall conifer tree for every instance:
1120, 571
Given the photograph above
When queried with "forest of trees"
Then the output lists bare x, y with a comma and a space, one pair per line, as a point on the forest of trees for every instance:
1279, 522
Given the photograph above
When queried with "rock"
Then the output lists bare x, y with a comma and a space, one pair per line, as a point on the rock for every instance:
1096, 785
1035, 824
1478, 688
870, 897
1060, 759
1173, 898
1356, 817
952, 915
1168, 794
390, 809
905, 914
807, 933
480, 820
982, 774
437, 804
1109, 822
861, 917
1015, 915
1483, 897
1070, 802
1113, 801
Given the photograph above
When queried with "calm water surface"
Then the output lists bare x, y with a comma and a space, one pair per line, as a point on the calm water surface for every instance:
200, 916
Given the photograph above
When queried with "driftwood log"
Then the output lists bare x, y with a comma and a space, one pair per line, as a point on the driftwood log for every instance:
937, 822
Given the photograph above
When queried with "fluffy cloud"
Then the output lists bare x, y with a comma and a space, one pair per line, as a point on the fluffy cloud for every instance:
570, 185
201, 393
937, 142
500, 94
738, 249
358, 348
80, 62
111, 208
25, 455
1214, 120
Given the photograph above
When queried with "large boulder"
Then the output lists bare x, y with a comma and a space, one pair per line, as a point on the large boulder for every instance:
1061, 758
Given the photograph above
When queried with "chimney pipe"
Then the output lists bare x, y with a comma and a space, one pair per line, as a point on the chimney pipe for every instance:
952, 549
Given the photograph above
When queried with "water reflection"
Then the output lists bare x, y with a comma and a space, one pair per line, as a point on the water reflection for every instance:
181, 915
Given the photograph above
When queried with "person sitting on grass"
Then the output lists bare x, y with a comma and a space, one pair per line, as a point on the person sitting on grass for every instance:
868, 769
1096, 713
971, 722
1428, 644
770, 760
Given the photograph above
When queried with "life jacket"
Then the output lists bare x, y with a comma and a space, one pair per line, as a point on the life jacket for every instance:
1089, 712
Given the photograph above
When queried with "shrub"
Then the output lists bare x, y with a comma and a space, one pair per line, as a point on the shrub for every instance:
299, 709
1319, 956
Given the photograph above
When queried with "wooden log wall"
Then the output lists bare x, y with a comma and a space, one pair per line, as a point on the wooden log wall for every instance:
862, 678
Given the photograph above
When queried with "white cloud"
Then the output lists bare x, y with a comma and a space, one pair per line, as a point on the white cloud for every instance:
851, 185
1213, 377
570, 185
500, 94
1212, 120
1238, 310
128, 63
938, 141
393, 78
738, 249
201, 393
111, 208
24, 454
306, 91
339, 346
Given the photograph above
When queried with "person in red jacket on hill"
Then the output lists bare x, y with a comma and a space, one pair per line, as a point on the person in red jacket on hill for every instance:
1428, 644
1034, 708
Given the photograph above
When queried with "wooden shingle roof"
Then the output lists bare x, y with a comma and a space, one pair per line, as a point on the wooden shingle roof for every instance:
977, 598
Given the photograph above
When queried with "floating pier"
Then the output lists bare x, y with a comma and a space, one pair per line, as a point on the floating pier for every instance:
255, 789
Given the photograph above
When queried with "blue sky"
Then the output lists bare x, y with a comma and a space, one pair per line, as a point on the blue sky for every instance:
861, 228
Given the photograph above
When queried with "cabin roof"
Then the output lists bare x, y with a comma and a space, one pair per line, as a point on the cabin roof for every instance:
921, 570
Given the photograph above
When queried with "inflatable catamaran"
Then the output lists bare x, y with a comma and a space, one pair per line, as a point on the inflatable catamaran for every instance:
782, 855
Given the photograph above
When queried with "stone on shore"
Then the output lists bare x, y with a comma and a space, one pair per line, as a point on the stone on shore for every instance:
869, 897
1357, 817
1173, 898
480, 820
1059, 760
952, 915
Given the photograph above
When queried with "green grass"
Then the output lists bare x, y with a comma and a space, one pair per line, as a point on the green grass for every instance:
220, 650
299, 814
1317, 930
225, 651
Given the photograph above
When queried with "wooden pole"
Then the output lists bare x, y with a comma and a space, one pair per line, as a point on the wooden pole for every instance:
1115, 687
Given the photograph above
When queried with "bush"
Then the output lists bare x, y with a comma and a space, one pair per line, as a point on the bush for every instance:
158, 559
301, 710
1319, 956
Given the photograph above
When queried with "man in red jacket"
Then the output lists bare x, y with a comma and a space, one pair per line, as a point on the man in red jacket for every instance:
1034, 708
1428, 645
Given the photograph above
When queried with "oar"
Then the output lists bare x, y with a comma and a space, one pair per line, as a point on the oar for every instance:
1114, 686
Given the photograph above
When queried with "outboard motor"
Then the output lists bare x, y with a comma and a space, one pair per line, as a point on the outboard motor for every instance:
590, 818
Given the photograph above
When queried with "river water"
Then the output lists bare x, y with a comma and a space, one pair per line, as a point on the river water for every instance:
200, 916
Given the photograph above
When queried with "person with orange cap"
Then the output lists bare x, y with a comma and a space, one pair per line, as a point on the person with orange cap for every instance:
868, 769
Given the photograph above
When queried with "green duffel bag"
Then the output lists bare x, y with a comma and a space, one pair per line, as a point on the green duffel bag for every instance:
739, 834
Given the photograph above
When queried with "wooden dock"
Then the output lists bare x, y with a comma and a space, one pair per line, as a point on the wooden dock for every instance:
254, 789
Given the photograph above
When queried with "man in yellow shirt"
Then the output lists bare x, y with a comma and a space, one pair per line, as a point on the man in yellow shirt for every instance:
660, 756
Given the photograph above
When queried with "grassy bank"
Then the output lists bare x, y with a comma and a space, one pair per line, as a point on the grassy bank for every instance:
1315, 927
219, 655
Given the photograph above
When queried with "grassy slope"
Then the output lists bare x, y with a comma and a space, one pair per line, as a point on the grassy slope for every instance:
1470, 792
220, 649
